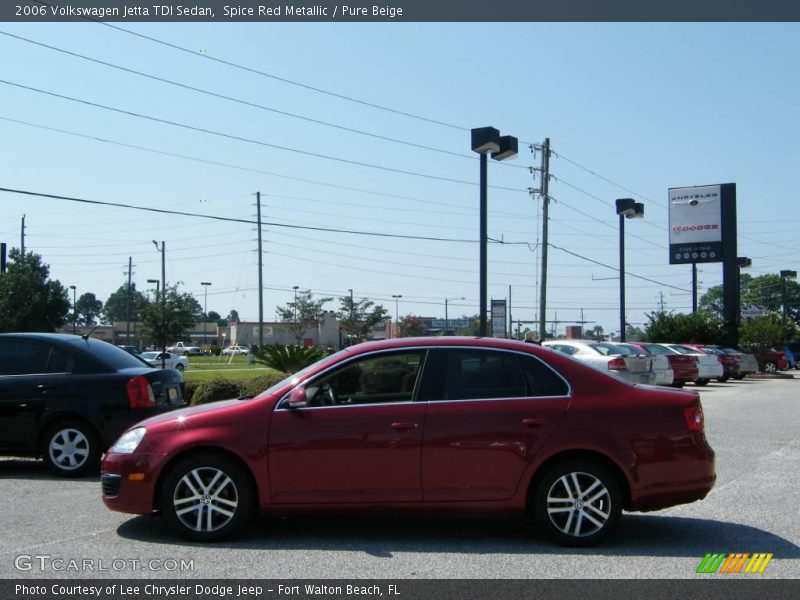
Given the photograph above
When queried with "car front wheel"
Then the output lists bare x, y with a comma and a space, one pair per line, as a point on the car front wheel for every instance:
701, 382
180, 367
577, 503
770, 367
206, 497
71, 449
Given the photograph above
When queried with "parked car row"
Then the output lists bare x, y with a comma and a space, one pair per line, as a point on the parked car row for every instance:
669, 364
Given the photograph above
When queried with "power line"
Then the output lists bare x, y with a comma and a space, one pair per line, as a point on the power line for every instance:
239, 167
246, 140
234, 220
244, 102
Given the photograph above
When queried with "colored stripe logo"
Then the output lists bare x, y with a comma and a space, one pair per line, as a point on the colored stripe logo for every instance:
735, 563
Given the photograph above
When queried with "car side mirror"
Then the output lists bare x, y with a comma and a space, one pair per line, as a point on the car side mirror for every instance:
297, 398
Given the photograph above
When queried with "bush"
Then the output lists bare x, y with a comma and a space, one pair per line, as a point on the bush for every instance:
215, 390
695, 328
289, 359
216, 350
255, 386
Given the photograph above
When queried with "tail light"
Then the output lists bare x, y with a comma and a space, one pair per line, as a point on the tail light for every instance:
617, 364
140, 394
694, 418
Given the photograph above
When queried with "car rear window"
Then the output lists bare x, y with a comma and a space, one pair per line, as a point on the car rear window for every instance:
607, 349
108, 354
656, 349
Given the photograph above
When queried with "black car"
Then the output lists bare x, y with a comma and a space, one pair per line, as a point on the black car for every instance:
67, 398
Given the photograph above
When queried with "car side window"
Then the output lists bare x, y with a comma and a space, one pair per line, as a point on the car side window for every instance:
565, 349
59, 362
541, 380
377, 379
19, 357
477, 375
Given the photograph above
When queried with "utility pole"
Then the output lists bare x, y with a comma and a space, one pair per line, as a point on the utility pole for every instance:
260, 277
661, 305
544, 193
694, 288
128, 302
510, 321
22, 238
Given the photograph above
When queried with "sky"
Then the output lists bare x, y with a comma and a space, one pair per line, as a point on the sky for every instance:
366, 128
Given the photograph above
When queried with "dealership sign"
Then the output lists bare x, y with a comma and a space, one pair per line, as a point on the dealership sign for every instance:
695, 224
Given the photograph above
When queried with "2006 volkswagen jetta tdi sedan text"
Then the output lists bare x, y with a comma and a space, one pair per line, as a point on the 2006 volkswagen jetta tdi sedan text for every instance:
453, 424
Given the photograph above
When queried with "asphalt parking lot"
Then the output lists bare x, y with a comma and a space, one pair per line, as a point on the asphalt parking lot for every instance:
752, 425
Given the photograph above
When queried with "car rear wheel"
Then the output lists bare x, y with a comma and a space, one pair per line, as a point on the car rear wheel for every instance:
180, 367
71, 449
701, 382
722, 379
738, 377
678, 384
577, 503
207, 497
770, 367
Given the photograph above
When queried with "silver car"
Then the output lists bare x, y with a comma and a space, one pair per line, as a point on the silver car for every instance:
609, 357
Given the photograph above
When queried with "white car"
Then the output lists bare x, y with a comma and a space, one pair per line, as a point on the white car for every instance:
606, 356
661, 367
171, 361
236, 350
708, 365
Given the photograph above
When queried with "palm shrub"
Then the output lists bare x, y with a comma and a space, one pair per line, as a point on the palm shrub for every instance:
288, 359
215, 390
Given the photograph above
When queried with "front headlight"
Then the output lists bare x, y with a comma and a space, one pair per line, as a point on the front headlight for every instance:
129, 441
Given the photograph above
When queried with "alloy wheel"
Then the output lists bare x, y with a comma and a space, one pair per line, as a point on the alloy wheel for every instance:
578, 504
205, 499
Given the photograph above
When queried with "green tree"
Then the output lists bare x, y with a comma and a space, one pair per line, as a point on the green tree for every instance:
765, 332
474, 327
304, 314
700, 328
232, 316
213, 317
411, 326
170, 318
596, 333
115, 308
29, 299
89, 309
357, 317
764, 291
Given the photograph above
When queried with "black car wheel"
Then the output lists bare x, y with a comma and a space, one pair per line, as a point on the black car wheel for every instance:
180, 367
770, 367
207, 497
71, 449
701, 382
722, 379
577, 503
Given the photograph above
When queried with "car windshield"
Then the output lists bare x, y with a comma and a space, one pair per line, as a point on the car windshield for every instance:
656, 349
628, 350
607, 349
148, 355
684, 350
110, 355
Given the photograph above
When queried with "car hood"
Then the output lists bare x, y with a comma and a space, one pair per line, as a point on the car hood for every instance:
182, 416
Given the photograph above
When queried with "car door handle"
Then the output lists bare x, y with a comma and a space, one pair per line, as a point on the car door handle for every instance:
404, 425
532, 422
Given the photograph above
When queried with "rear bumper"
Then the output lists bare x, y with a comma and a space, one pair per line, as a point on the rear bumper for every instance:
685, 474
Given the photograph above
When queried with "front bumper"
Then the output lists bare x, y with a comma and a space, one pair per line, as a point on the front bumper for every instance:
129, 481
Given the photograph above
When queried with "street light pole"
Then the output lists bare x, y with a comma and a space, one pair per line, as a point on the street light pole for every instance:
205, 285
75, 311
485, 141
163, 295
295, 288
446, 316
784, 276
626, 208
396, 310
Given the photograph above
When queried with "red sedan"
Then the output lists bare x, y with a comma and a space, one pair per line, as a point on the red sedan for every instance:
433, 424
